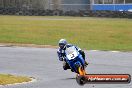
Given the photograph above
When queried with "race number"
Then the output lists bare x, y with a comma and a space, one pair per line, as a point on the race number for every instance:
72, 55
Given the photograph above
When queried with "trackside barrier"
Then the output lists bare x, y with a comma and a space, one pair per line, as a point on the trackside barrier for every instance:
83, 13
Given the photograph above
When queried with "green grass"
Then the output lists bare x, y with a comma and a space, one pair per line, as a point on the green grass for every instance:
87, 33
11, 79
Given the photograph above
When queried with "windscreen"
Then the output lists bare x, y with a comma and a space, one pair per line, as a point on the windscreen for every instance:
71, 53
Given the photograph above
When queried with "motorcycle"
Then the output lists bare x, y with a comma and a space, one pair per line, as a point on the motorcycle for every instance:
76, 63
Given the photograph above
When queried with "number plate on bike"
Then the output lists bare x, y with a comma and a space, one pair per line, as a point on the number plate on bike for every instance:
72, 55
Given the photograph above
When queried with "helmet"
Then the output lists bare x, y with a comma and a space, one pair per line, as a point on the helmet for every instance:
62, 43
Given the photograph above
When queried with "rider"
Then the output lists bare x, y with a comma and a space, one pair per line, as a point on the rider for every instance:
61, 53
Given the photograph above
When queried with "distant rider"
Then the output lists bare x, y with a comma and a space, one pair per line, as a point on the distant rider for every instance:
61, 52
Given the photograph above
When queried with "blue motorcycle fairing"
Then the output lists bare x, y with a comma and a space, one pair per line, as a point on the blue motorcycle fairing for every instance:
72, 63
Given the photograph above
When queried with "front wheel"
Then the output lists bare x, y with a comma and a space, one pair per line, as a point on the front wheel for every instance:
81, 80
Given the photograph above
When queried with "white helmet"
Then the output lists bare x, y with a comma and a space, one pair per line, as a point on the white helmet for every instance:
62, 43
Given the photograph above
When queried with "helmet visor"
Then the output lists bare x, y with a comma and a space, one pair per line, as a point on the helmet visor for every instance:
61, 45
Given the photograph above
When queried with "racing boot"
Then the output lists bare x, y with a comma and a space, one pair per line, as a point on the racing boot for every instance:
72, 70
85, 64
66, 66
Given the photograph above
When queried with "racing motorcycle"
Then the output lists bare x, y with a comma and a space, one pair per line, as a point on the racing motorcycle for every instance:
76, 63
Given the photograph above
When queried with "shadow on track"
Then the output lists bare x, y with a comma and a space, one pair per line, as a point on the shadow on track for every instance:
68, 79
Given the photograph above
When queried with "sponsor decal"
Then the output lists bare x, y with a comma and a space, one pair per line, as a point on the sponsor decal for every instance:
108, 78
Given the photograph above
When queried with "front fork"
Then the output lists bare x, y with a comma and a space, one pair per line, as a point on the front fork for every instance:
80, 77
81, 71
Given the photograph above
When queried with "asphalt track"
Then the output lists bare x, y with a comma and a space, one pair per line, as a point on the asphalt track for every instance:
43, 64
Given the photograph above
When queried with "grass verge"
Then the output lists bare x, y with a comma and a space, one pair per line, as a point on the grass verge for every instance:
87, 33
11, 79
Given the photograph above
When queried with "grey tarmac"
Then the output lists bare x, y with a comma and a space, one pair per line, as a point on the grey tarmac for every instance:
43, 64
